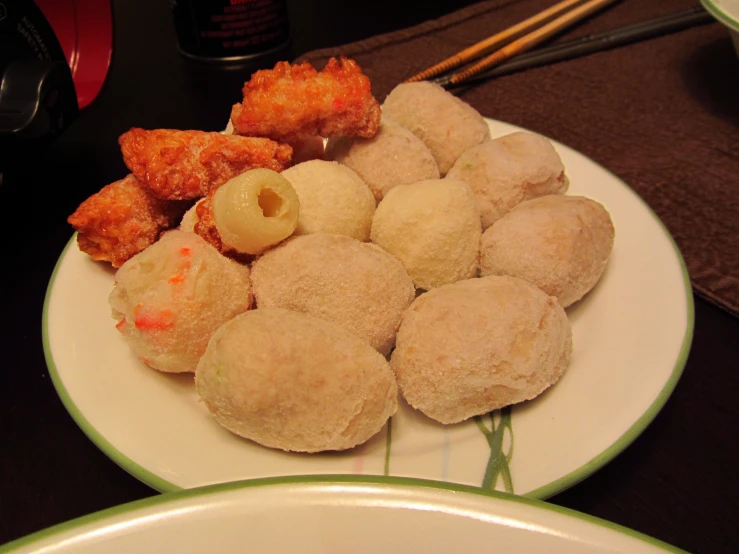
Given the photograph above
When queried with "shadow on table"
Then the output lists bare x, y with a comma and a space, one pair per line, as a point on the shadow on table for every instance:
711, 75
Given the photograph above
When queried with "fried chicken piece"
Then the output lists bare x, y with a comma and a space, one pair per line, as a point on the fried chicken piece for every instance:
121, 220
298, 101
185, 165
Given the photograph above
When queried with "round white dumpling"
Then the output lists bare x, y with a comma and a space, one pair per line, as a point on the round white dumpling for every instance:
446, 124
394, 156
433, 228
333, 199
170, 298
356, 285
505, 171
292, 381
477, 345
559, 243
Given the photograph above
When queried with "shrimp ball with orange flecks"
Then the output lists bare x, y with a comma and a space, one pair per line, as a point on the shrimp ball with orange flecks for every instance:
170, 298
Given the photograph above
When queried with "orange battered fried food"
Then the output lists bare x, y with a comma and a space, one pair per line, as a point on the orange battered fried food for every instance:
185, 165
122, 220
298, 101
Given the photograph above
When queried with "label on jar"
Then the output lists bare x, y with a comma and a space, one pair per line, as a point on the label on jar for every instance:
230, 28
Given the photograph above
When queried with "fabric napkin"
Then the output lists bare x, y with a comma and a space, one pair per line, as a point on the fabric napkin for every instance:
662, 114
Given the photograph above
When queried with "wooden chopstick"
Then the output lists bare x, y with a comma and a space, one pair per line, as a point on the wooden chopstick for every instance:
532, 39
590, 44
495, 41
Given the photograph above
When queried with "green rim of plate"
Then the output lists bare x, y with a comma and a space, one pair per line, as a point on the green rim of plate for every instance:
327, 479
638, 427
543, 492
139, 472
719, 13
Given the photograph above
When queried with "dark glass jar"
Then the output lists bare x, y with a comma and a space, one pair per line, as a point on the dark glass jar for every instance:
230, 30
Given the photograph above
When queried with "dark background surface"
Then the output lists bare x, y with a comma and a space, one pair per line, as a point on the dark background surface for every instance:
676, 482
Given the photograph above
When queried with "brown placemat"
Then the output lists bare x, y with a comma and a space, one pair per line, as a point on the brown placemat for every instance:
662, 114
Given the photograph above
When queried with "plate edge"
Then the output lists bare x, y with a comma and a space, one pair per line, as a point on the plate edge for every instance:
638, 427
328, 479
132, 468
721, 15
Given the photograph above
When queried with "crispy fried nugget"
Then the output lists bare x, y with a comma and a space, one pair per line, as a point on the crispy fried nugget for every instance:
121, 220
185, 165
297, 100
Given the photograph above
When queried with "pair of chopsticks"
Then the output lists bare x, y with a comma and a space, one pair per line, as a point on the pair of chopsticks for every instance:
590, 44
525, 35
553, 22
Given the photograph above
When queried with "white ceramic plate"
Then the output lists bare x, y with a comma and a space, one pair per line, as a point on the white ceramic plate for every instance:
632, 334
338, 515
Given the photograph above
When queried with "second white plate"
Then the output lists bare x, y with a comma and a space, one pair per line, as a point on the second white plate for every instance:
631, 338
342, 514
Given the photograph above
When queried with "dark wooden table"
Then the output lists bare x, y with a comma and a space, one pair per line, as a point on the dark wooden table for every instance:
677, 482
